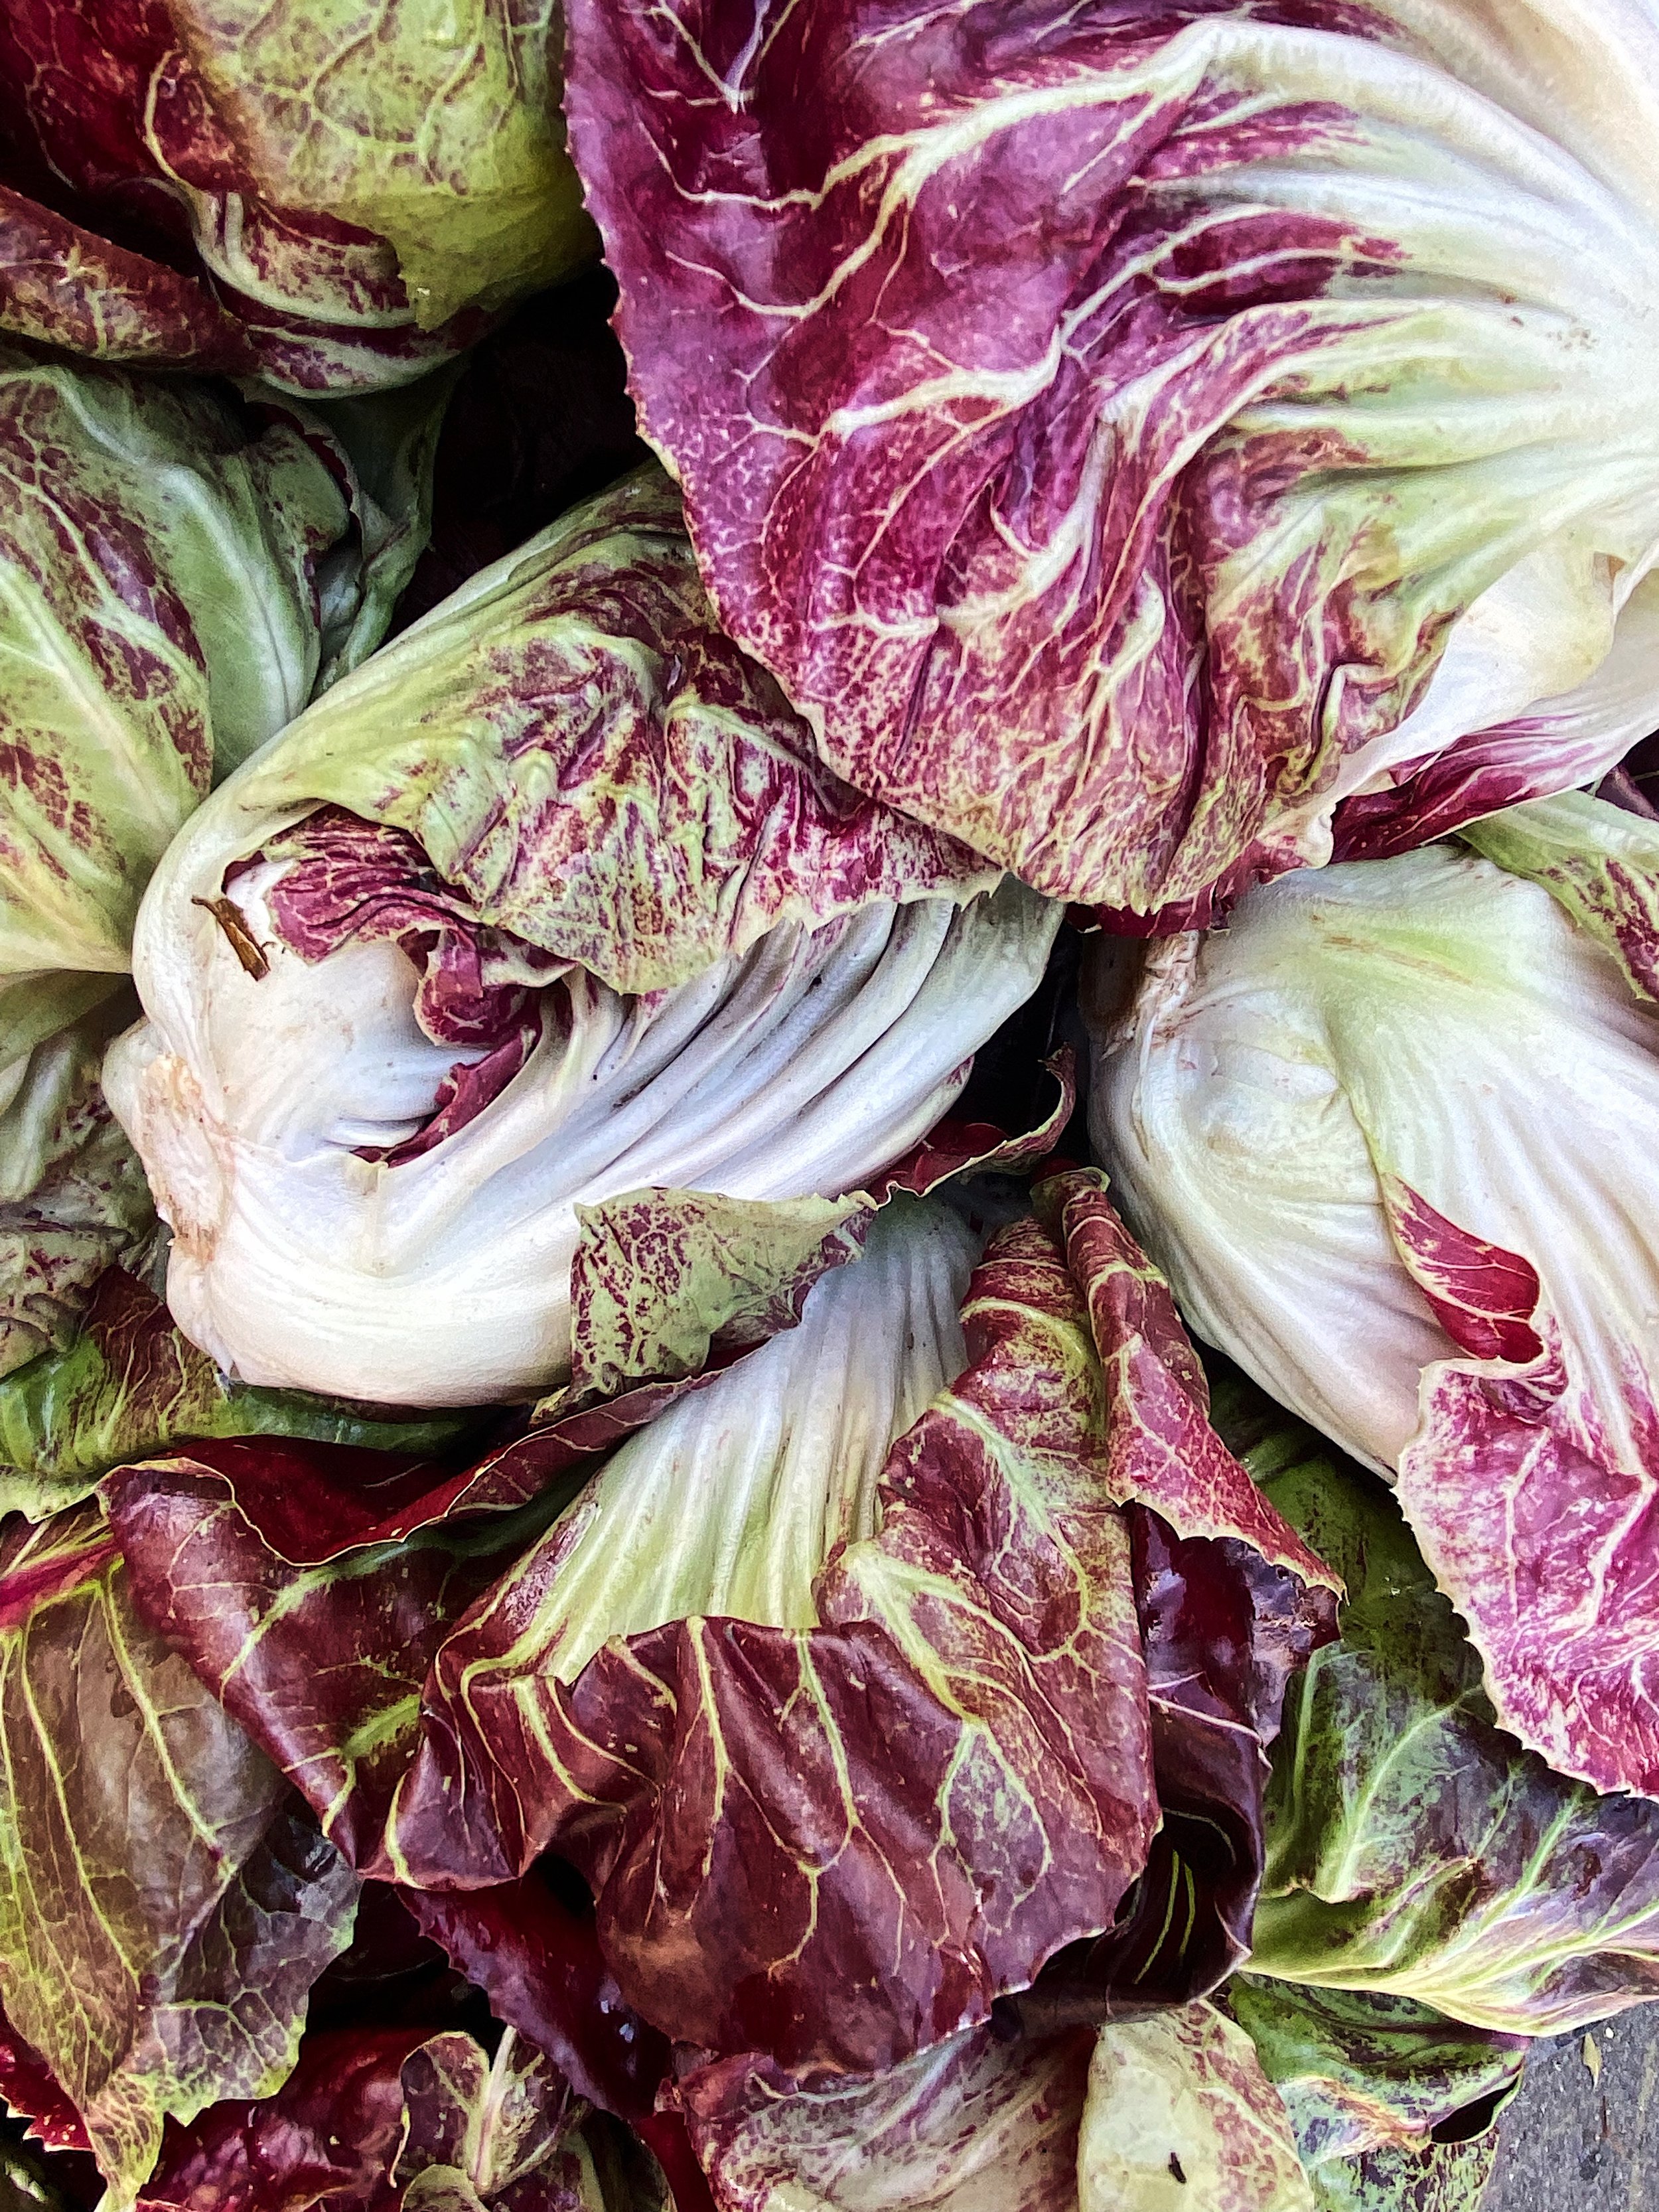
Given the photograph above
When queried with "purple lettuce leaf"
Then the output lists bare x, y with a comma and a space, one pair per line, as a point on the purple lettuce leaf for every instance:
476, 1698
401, 2119
63, 285
30, 2092
1187, 1924
165, 1905
1161, 1449
733, 1790
1066, 402
328, 2136
321, 1656
976, 1679
983, 2123
1232, 1601
539, 1964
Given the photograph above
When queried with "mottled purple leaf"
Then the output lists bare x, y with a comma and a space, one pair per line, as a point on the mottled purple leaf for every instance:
402, 2120
1115, 451
1534, 1522
983, 2123
162, 556
322, 1657
327, 2138
1600, 862
63, 285
1161, 1449
664, 1280
1360, 2071
918, 1798
1394, 2109
485, 2130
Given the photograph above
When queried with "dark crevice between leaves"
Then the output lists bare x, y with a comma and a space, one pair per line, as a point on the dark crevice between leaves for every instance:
541, 420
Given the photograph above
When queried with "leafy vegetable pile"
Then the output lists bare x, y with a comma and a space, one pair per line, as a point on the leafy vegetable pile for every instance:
630, 1040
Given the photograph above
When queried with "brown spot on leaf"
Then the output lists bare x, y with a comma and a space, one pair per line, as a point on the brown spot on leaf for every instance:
241, 940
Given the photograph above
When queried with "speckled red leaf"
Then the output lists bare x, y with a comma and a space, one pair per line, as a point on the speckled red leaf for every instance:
671, 1282
62, 285
1161, 1448
1537, 1525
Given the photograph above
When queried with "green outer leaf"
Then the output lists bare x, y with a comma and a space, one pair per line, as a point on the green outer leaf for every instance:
586, 756
1179, 2111
1358, 2070
440, 133
1598, 861
1519, 1900
38, 1004
163, 1915
1367, 2078
131, 1383
73, 1197
156, 607
1438, 2178
657, 1274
